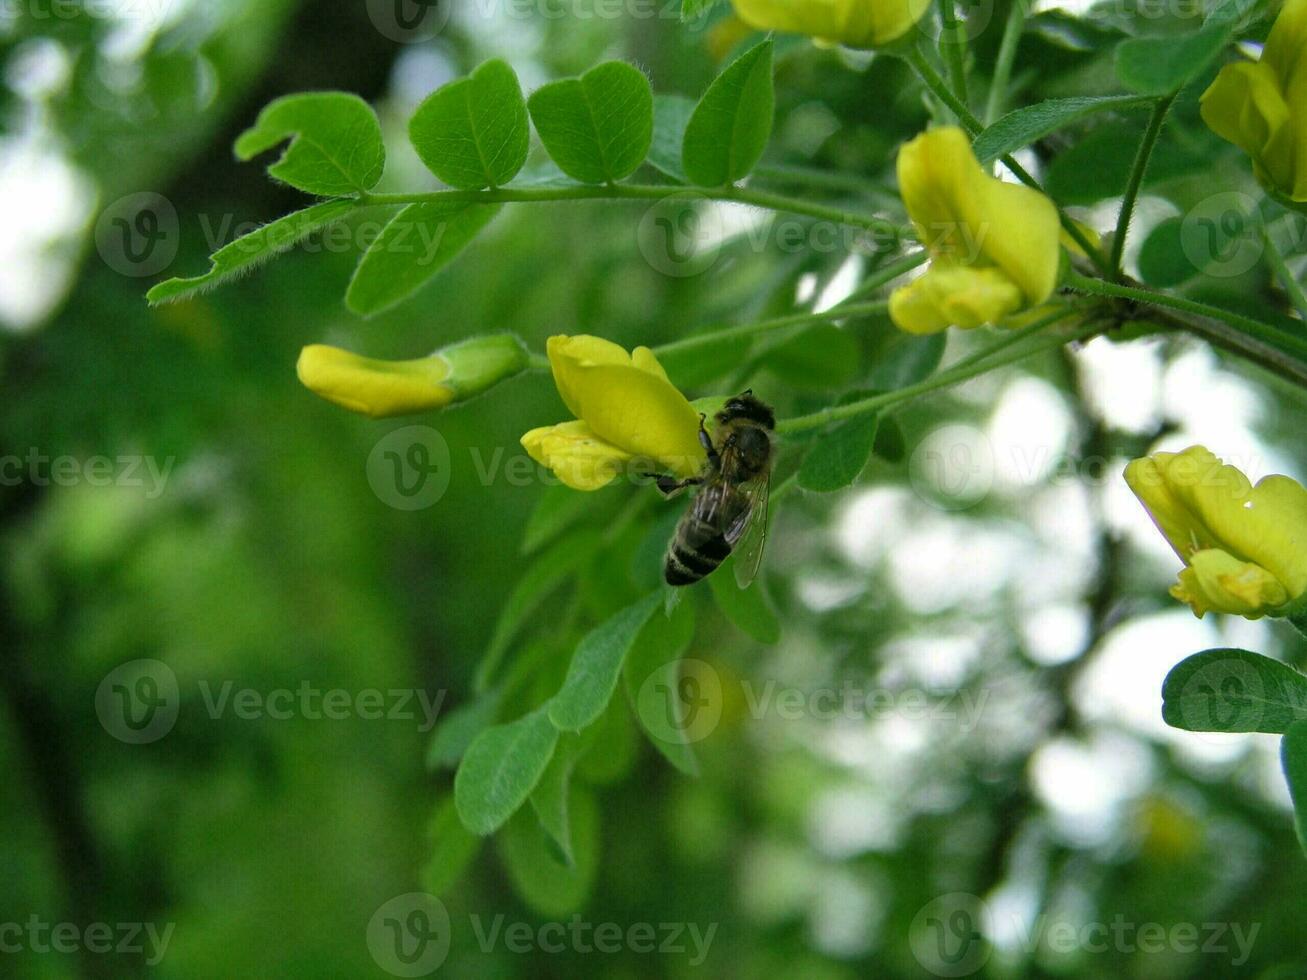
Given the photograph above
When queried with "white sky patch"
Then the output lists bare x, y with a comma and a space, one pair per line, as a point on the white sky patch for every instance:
1122, 382
1055, 633
47, 205
1086, 785
949, 561
1028, 431
805, 288
1123, 685
871, 521
842, 284
851, 820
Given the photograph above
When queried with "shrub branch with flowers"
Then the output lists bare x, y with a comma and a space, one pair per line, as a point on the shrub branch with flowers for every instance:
1000, 255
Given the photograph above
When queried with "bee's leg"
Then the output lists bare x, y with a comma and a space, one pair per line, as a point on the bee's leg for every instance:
668, 485
706, 441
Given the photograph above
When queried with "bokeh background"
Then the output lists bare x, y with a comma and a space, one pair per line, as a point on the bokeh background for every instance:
989, 578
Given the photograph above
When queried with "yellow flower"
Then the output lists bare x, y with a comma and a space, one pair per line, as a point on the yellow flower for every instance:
383, 388
994, 246
1244, 546
857, 23
1261, 106
626, 410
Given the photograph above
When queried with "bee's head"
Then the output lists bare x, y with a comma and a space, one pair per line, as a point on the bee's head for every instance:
745, 406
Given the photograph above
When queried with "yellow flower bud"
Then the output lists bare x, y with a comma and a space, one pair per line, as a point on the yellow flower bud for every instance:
1261, 106
1244, 546
626, 409
381, 389
857, 23
994, 246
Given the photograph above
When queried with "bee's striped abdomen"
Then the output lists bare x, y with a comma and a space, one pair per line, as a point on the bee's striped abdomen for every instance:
696, 549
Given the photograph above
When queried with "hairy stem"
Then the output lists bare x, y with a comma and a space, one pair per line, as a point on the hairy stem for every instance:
1277, 351
651, 192
986, 361
1137, 172
953, 46
1007, 53
1291, 285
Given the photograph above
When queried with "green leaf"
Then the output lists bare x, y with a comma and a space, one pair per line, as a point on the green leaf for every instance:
1231, 690
501, 768
595, 666
1095, 168
611, 746
821, 357
455, 731
1024, 126
1162, 65
899, 359
453, 848
549, 801
558, 508
732, 122
472, 133
249, 251
545, 574
538, 872
749, 609
671, 114
890, 445
837, 458
663, 641
416, 244
1162, 259
1293, 756
335, 147
598, 127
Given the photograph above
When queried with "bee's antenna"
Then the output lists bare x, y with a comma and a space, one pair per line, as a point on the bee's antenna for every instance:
746, 391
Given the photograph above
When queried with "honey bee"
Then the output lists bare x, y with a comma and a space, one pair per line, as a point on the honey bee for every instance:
729, 511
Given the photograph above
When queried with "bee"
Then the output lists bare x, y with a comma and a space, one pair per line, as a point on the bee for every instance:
729, 511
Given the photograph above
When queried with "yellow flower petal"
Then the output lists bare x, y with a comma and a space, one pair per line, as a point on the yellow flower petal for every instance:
954, 296
1219, 582
1246, 546
857, 23
1261, 107
627, 401
966, 218
374, 387
575, 454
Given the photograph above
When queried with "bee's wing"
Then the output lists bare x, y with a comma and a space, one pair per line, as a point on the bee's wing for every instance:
748, 533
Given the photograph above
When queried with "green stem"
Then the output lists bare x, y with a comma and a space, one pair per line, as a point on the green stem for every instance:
954, 47
648, 192
976, 365
1137, 172
1282, 272
1273, 349
537, 362
766, 326
932, 80
828, 180
1007, 53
